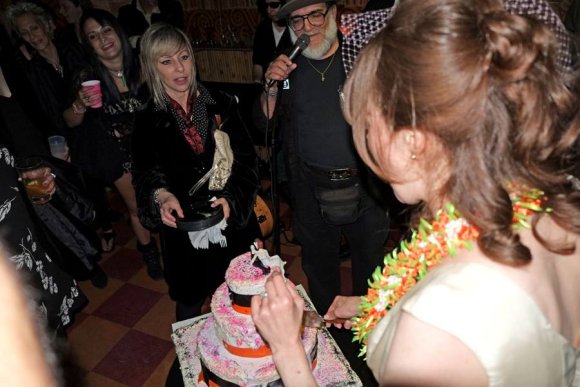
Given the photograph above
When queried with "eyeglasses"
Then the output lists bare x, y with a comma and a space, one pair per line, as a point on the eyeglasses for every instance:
316, 19
273, 5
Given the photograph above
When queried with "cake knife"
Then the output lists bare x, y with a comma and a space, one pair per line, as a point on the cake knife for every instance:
312, 319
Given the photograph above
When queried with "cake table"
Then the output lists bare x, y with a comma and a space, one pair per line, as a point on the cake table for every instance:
332, 368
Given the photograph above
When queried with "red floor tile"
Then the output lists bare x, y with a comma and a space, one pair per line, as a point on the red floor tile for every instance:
79, 318
123, 264
128, 305
134, 358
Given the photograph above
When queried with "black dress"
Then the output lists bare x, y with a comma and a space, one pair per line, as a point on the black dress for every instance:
58, 296
102, 142
163, 158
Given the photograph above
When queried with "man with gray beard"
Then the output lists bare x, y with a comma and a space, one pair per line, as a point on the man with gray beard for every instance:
329, 185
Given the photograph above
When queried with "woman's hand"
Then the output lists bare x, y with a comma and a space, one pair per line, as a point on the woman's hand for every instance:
278, 317
167, 204
278, 314
225, 206
87, 97
342, 309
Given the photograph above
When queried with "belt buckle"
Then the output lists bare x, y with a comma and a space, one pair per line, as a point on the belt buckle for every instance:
339, 174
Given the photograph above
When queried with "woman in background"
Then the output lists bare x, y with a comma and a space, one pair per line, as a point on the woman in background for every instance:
461, 106
52, 65
102, 144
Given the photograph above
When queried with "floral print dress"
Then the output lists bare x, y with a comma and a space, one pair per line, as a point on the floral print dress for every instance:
56, 293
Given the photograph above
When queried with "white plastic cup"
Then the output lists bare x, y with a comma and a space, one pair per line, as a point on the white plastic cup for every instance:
93, 87
58, 147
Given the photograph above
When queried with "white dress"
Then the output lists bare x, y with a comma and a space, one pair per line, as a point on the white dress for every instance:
494, 318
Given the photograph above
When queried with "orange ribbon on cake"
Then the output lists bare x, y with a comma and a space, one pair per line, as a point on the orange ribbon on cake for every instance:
262, 351
242, 309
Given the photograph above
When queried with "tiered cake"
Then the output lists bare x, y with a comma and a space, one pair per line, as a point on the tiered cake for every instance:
231, 351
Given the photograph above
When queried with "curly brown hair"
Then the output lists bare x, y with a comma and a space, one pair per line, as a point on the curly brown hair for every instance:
485, 84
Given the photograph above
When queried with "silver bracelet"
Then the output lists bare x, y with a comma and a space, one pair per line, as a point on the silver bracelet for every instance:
156, 195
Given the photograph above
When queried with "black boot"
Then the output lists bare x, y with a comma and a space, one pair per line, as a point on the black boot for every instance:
98, 277
151, 258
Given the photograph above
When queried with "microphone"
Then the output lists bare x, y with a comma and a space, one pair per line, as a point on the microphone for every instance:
301, 43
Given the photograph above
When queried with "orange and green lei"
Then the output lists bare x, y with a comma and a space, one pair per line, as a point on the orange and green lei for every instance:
428, 245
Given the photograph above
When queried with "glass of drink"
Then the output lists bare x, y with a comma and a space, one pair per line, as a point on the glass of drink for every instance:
58, 147
33, 174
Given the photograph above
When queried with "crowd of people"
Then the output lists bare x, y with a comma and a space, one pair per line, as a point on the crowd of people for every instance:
468, 109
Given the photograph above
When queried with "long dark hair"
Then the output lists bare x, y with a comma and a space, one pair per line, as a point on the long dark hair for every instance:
130, 62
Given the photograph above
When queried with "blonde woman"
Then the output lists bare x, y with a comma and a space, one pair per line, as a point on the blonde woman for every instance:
173, 148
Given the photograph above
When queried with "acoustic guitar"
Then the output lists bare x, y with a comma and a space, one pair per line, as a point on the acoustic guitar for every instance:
264, 216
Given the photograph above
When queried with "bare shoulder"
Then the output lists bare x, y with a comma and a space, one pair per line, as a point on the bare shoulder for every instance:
423, 355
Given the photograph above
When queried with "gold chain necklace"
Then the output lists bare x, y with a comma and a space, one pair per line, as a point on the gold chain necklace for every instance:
322, 73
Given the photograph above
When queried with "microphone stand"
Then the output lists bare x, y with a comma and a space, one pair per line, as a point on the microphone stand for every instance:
274, 192
272, 142
301, 43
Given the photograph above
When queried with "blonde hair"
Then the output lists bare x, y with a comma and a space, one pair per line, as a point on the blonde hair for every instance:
163, 39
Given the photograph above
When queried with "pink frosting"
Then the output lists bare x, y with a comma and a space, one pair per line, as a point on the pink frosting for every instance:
241, 269
245, 278
235, 328
239, 330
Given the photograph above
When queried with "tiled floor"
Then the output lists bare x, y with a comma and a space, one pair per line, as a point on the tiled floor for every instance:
122, 337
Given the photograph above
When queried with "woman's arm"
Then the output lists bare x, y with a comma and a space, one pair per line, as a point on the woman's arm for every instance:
74, 115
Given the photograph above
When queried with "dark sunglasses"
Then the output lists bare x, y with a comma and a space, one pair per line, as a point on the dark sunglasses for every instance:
273, 5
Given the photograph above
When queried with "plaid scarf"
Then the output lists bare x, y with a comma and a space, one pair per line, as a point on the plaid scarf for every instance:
358, 29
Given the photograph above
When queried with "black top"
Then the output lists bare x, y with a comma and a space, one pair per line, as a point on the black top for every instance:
324, 137
265, 49
13, 66
53, 90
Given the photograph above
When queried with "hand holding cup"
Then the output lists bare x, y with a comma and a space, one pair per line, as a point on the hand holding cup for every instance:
37, 178
90, 94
